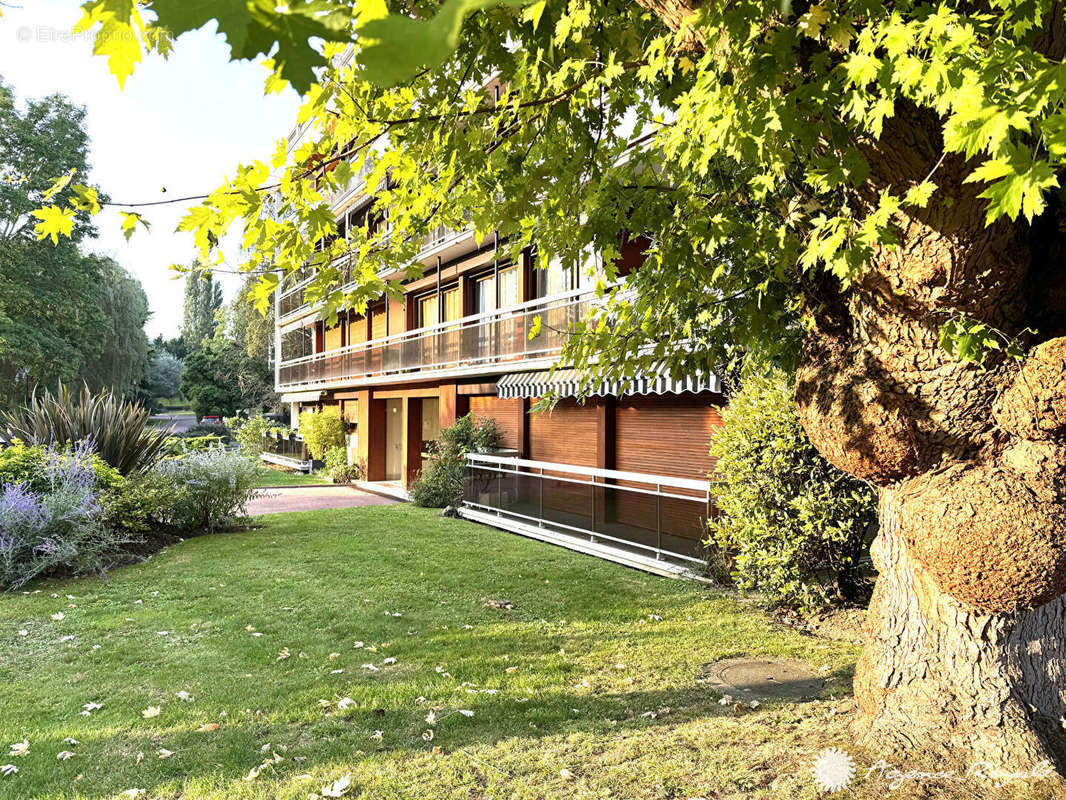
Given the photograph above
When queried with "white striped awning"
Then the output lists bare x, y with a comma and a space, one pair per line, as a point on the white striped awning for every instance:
569, 383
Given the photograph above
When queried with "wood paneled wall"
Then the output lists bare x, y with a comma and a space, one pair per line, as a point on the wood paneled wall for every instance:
508, 416
567, 435
666, 435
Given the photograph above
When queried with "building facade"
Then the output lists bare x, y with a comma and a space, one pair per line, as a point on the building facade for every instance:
459, 342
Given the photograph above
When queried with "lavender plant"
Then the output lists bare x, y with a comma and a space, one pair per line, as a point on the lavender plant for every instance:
58, 525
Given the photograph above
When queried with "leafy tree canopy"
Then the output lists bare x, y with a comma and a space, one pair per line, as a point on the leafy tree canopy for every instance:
751, 153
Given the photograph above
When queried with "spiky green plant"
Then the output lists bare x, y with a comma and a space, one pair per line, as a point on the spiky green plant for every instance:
117, 429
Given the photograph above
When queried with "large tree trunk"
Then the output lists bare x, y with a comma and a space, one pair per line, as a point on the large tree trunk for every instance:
953, 685
965, 653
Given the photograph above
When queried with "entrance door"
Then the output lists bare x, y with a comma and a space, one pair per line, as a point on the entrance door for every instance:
393, 439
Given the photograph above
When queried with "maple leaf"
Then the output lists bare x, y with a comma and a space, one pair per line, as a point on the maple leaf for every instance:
151, 711
130, 220
20, 748
339, 787
262, 27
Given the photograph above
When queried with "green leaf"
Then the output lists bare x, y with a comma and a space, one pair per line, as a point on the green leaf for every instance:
118, 37
395, 47
86, 198
534, 12
130, 220
58, 185
919, 195
54, 222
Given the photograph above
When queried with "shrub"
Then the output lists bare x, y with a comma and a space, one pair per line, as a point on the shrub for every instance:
141, 503
213, 488
32, 465
250, 435
441, 483
795, 526
206, 429
117, 430
338, 468
177, 445
321, 431
59, 527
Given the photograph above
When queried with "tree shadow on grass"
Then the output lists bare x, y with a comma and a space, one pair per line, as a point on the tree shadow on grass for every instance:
226, 755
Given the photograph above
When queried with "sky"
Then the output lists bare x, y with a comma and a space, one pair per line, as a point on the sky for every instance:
183, 124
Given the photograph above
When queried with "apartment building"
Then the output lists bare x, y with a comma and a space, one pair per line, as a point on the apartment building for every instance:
623, 471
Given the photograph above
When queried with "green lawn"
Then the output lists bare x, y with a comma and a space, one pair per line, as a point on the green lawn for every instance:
589, 687
282, 477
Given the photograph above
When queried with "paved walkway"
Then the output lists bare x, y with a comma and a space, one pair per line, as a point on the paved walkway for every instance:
311, 498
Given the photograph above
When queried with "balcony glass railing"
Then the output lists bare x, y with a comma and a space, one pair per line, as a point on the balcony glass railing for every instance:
650, 514
481, 339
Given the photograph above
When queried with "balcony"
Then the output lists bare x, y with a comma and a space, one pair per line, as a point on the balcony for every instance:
478, 341
292, 302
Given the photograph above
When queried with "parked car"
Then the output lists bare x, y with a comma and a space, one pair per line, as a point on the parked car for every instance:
211, 419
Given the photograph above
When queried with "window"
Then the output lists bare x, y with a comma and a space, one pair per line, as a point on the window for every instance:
510, 287
484, 295
297, 343
453, 304
510, 290
427, 310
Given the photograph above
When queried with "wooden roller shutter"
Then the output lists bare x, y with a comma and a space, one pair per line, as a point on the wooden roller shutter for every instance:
666, 435
567, 435
508, 416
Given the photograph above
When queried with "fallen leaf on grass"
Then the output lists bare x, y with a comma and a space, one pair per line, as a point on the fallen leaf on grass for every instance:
207, 727
64, 755
20, 748
162, 753
8, 769
377, 735
183, 695
134, 793
151, 711
283, 654
71, 741
334, 656
59, 616
24, 632
338, 788
566, 774
466, 713
389, 660
345, 703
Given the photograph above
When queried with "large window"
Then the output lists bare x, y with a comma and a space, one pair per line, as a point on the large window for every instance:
434, 308
427, 311
510, 290
297, 343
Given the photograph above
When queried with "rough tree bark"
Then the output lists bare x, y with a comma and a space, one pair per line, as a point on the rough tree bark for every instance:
965, 656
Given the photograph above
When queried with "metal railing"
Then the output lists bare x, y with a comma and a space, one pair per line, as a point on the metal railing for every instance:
651, 514
287, 450
293, 301
491, 337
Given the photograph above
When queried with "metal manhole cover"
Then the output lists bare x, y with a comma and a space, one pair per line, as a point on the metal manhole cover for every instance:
766, 678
